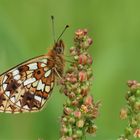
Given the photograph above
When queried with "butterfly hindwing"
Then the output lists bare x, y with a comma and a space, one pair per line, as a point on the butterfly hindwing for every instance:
27, 87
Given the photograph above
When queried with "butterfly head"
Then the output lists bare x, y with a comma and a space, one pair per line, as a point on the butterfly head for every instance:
59, 47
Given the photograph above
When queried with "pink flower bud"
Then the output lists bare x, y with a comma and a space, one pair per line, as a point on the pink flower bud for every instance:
90, 61
80, 123
95, 112
71, 95
69, 138
62, 81
90, 41
81, 32
84, 90
67, 110
88, 100
82, 59
137, 133
71, 78
123, 114
92, 129
75, 103
77, 114
84, 108
73, 51
64, 130
82, 76
131, 83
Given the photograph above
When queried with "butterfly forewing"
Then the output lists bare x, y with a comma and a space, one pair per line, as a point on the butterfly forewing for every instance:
26, 88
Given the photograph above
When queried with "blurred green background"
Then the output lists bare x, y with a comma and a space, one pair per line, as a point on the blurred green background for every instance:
114, 25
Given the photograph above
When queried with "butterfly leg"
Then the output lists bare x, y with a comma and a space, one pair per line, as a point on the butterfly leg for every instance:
57, 73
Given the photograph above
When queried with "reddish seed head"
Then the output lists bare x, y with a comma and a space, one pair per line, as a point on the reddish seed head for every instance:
68, 138
73, 51
81, 109
90, 61
95, 113
88, 100
81, 32
82, 59
73, 80
67, 110
65, 91
84, 91
137, 133
71, 77
80, 123
131, 83
64, 130
84, 108
92, 129
62, 81
77, 114
90, 41
75, 103
1, 93
123, 114
71, 95
82, 76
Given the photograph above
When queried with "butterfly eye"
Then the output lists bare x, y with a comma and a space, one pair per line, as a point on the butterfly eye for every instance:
59, 50
38, 72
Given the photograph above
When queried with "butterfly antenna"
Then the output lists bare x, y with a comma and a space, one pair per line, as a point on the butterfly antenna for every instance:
67, 26
53, 30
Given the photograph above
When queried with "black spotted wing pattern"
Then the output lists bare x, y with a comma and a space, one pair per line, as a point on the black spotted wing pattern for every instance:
27, 87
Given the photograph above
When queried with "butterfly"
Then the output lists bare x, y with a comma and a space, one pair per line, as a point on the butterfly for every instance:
27, 87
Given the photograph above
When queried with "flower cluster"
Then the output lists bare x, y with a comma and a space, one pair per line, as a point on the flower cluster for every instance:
132, 111
79, 110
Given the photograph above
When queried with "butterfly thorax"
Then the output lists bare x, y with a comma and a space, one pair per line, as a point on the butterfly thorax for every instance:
57, 55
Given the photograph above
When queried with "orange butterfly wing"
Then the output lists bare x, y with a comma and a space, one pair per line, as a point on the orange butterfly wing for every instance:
26, 87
